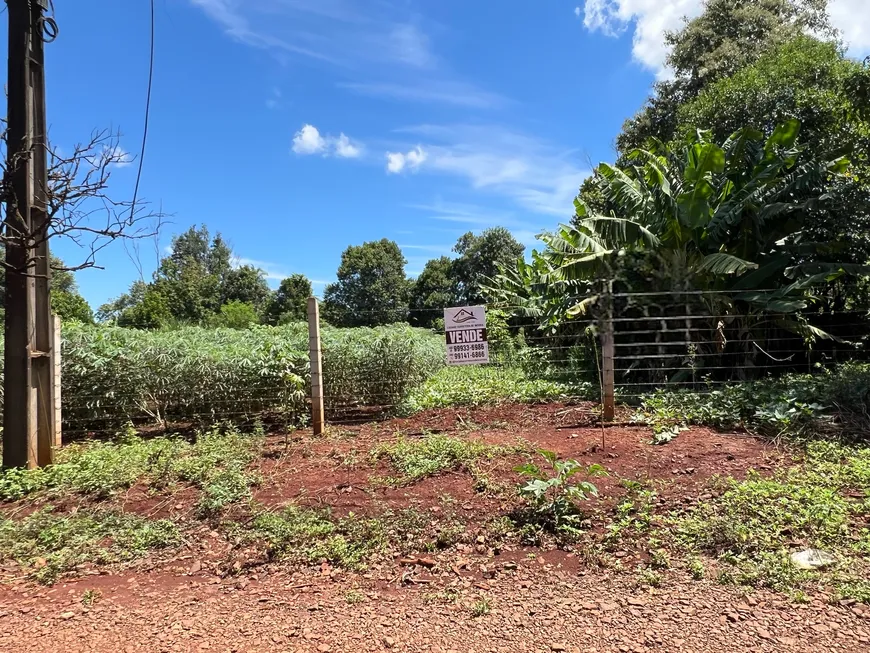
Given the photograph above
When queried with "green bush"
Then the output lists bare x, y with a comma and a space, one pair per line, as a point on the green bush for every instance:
835, 401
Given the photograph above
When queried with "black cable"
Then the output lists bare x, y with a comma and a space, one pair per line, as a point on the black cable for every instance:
147, 117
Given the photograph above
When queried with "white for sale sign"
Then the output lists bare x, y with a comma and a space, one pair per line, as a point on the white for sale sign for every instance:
465, 329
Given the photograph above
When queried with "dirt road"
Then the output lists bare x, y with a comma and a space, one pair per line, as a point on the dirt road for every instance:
537, 607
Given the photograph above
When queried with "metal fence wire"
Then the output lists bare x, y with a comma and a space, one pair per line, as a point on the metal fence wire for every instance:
625, 345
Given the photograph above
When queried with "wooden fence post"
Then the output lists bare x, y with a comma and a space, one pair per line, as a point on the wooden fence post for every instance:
316, 361
56, 361
608, 401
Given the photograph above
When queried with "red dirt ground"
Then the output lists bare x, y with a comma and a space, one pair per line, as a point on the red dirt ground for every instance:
212, 595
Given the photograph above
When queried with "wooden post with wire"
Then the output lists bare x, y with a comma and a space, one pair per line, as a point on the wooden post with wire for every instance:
316, 365
608, 399
56, 361
28, 408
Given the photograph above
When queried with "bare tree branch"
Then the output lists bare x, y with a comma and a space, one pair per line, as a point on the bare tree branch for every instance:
78, 204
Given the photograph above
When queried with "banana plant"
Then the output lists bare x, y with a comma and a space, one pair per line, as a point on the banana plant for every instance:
732, 214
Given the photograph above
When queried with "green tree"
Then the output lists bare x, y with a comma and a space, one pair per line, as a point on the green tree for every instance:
71, 307
290, 302
727, 36
723, 218
479, 259
372, 288
192, 276
246, 284
66, 301
236, 315
151, 312
434, 290
112, 310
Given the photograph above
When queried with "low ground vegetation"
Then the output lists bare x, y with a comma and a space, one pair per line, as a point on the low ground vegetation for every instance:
444, 489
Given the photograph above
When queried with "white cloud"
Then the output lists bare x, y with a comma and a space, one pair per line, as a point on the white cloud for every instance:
113, 157
426, 90
345, 149
272, 271
382, 49
532, 173
578, 11
650, 19
412, 160
411, 46
853, 20
309, 141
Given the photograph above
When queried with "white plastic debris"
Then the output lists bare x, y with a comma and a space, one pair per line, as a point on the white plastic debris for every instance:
812, 559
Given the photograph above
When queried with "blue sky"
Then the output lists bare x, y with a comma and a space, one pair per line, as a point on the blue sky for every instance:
299, 127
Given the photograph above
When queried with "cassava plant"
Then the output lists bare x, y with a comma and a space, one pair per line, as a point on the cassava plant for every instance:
552, 496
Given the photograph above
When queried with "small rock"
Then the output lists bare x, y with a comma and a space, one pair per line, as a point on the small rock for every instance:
389, 642
733, 617
763, 634
324, 648
196, 567
509, 566
636, 601
608, 607
427, 562
558, 647
66, 616
481, 539
812, 559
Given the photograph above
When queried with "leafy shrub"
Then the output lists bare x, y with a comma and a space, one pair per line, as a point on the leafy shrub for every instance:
551, 495
837, 400
50, 545
377, 366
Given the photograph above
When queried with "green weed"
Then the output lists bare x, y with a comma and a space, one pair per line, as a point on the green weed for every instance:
481, 607
50, 544
433, 454
552, 496
354, 596
480, 386
215, 461
754, 524
89, 597
649, 577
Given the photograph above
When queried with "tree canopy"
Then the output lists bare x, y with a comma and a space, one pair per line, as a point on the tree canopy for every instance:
371, 289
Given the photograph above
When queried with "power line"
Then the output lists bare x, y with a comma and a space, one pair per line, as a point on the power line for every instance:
147, 115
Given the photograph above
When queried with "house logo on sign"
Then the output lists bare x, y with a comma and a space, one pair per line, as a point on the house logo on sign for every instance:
462, 316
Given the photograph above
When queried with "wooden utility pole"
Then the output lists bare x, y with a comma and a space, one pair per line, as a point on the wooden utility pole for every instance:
28, 407
316, 365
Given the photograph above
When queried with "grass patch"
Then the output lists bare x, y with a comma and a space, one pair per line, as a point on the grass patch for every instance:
215, 461
308, 536
754, 525
414, 459
50, 545
481, 386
